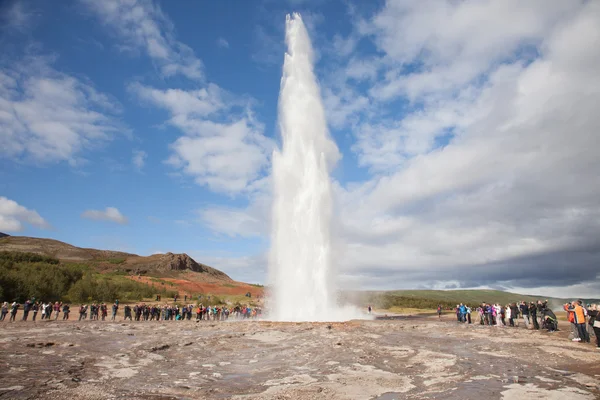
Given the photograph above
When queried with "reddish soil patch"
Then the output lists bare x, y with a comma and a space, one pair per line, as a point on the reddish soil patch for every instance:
190, 287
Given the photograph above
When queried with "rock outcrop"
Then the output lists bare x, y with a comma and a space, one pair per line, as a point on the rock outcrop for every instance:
173, 262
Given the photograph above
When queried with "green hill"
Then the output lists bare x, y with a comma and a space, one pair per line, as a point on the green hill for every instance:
429, 299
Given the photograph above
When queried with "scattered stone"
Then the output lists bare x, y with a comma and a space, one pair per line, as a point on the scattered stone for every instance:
159, 348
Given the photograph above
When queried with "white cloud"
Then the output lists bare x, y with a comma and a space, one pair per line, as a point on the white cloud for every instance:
438, 46
139, 159
489, 174
223, 43
48, 116
252, 221
227, 156
14, 215
181, 103
109, 214
250, 269
142, 25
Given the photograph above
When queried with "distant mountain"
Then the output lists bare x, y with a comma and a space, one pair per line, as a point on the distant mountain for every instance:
110, 260
3, 235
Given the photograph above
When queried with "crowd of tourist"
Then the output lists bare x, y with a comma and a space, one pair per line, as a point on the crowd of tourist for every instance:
584, 320
138, 312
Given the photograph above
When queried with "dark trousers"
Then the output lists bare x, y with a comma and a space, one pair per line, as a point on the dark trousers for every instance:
597, 332
535, 322
583, 334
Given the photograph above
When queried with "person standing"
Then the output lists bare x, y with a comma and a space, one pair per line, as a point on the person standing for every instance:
533, 315
594, 314
127, 313
514, 313
580, 321
13, 311
3, 311
56, 310
35, 308
525, 313
439, 311
540, 312
115, 308
571, 319
66, 310
26, 308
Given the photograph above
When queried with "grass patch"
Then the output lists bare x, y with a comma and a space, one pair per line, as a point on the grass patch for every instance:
119, 260
429, 299
26, 275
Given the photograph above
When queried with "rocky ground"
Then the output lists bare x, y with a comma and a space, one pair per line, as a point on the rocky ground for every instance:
412, 358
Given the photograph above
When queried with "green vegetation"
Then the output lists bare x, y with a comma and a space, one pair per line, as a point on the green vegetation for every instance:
256, 285
27, 275
116, 260
429, 299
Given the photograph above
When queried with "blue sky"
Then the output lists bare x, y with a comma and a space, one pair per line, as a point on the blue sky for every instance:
147, 126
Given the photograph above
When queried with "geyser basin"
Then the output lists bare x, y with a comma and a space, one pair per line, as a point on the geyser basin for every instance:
300, 263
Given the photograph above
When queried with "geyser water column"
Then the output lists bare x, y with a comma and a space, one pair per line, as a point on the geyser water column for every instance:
300, 259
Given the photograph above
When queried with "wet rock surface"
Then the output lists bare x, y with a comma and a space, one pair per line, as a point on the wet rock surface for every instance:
419, 358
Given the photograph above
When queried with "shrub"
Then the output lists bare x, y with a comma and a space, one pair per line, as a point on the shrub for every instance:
26, 275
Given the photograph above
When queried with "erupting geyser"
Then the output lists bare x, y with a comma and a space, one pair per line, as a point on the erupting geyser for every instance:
300, 260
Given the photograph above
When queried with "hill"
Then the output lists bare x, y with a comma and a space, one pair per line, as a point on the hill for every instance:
107, 260
429, 299
3, 235
175, 273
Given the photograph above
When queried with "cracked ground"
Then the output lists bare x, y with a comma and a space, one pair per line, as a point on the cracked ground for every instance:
410, 358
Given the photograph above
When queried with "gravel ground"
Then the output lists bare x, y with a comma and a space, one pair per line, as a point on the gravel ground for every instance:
410, 358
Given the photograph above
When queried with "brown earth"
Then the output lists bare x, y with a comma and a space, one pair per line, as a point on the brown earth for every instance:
411, 358
191, 283
107, 260
54, 248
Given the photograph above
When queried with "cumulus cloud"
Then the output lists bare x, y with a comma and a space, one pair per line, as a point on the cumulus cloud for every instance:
141, 24
13, 216
227, 156
49, 116
251, 221
250, 268
111, 214
488, 174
